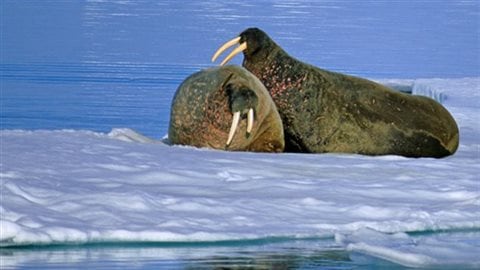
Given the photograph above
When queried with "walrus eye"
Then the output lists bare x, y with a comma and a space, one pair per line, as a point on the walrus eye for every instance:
242, 47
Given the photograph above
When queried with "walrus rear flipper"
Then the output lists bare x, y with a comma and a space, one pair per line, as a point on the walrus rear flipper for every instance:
418, 144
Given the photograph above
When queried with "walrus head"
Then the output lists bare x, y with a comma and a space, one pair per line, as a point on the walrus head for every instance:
242, 101
253, 42
225, 108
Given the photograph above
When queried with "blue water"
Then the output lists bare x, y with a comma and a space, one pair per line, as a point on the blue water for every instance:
101, 64
98, 65
261, 254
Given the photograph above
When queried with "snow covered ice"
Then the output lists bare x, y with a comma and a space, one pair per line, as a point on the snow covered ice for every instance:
73, 187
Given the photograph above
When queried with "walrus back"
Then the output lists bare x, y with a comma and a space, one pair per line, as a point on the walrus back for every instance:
374, 119
188, 110
325, 111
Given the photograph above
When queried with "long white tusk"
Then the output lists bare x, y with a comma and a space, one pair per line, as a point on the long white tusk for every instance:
236, 51
233, 128
225, 46
250, 120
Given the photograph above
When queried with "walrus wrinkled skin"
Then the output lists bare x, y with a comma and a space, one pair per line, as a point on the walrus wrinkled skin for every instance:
225, 108
324, 111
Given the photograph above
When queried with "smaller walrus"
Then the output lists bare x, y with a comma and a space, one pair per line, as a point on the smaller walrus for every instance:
208, 108
324, 111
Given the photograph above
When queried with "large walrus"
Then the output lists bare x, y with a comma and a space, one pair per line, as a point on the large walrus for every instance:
324, 111
225, 108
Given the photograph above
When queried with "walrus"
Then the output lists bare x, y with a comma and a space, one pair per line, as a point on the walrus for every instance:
324, 111
225, 108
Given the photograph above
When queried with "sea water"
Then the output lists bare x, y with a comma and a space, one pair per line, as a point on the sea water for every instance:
81, 187
101, 64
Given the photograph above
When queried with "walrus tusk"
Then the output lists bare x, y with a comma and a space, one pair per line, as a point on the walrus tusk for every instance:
233, 128
236, 51
228, 44
250, 119
224, 47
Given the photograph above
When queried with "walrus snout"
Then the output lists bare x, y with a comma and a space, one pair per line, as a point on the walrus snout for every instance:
250, 42
243, 102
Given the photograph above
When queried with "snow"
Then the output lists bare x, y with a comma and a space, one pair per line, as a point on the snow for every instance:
77, 186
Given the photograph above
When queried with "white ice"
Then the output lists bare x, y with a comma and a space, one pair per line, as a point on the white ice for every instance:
72, 186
